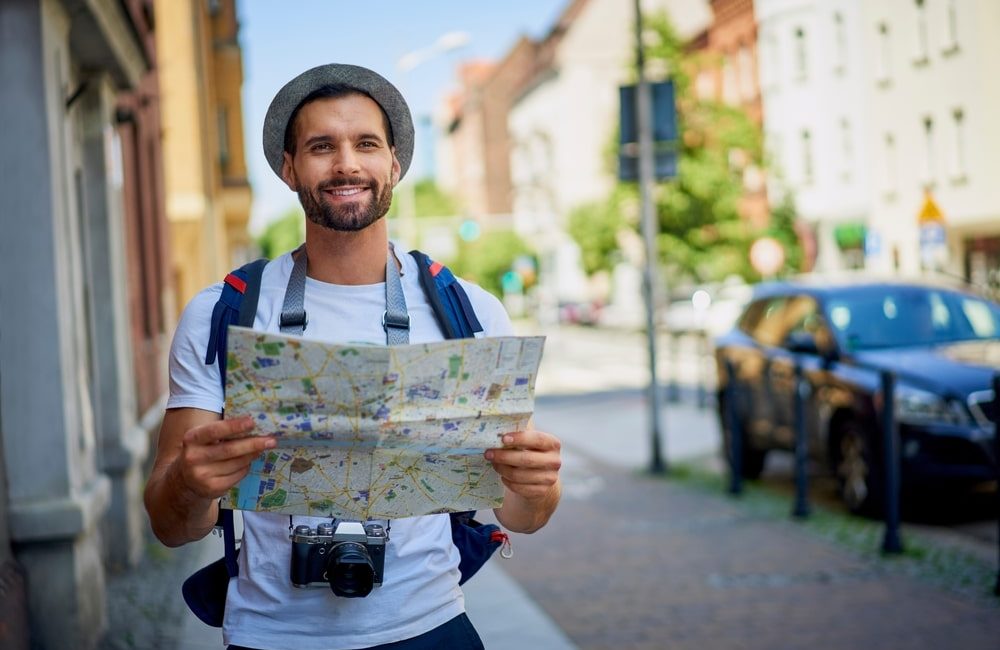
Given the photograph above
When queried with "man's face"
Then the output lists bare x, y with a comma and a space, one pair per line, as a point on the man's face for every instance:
343, 167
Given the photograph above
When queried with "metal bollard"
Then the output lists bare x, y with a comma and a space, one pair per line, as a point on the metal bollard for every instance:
673, 389
891, 543
735, 451
996, 460
801, 509
702, 365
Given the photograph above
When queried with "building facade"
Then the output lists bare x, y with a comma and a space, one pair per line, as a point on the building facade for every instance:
934, 137
814, 86
83, 285
207, 192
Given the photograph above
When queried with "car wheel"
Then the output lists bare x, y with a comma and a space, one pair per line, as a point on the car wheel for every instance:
751, 459
859, 474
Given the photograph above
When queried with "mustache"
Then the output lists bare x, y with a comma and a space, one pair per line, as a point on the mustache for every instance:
344, 182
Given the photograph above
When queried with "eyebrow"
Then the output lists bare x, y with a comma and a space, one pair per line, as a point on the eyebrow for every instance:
316, 139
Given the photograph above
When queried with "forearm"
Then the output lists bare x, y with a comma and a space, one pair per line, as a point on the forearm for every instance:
521, 514
176, 514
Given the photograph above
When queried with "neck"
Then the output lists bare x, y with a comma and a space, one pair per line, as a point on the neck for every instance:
347, 257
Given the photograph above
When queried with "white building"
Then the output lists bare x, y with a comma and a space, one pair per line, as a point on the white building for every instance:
814, 74
933, 71
561, 127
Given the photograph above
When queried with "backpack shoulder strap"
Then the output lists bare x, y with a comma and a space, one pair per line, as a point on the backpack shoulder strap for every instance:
448, 299
236, 306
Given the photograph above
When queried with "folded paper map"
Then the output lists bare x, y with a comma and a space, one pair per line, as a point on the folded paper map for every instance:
372, 432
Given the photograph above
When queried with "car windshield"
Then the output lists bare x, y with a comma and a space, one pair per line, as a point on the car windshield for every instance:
887, 316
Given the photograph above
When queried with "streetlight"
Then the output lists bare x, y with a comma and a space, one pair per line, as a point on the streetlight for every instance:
447, 42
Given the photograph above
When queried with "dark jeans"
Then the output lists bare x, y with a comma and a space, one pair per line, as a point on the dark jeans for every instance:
456, 634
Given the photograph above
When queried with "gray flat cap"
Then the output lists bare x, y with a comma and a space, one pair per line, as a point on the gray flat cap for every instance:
374, 85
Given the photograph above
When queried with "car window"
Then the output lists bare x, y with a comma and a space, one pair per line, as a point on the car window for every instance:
751, 316
774, 322
893, 316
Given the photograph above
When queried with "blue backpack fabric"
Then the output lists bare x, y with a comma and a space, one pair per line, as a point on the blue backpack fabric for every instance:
205, 590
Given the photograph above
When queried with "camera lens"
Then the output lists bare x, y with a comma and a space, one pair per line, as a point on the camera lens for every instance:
349, 570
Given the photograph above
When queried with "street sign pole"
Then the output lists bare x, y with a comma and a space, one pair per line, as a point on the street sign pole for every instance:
644, 124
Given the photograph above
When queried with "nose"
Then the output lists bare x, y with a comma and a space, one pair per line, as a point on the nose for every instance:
346, 161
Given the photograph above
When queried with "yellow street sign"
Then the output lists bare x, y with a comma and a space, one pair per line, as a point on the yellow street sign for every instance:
930, 212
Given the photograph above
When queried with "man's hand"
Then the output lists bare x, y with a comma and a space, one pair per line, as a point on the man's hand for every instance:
199, 457
216, 456
528, 465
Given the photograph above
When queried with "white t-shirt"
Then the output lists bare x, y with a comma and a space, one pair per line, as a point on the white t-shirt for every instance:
420, 589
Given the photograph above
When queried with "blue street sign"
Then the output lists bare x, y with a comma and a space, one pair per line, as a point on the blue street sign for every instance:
664, 132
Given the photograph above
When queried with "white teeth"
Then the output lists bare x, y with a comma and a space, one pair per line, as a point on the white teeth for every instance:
347, 192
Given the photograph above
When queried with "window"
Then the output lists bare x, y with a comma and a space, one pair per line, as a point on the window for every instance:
730, 82
921, 54
744, 58
807, 157
884, 69
840, 43
772, 62
889, 168
928, 173
846, 150
223, 126
801, 55
950, 44
958, 145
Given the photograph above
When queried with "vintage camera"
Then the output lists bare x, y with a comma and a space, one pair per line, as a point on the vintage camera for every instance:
348, 555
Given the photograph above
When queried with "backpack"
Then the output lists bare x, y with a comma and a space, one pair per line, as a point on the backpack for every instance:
205, 590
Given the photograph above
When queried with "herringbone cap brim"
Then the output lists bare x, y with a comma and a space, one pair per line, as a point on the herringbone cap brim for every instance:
363, 79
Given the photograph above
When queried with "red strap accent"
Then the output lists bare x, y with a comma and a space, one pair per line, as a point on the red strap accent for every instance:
499, 536
436, 268
236, 283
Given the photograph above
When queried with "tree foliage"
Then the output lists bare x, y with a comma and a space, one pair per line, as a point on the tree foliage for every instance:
485, 260
429, 200
283, 234
702, 235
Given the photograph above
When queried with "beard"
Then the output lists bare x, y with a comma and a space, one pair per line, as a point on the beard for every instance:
349, 217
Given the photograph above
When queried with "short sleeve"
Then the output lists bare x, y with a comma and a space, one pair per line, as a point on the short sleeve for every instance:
194, 383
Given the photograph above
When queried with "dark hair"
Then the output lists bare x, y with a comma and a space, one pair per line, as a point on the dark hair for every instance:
331, 91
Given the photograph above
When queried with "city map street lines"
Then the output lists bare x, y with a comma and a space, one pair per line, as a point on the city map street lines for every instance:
368, 432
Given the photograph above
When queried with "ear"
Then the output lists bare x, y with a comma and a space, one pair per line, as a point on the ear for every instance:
288, 172
396, 168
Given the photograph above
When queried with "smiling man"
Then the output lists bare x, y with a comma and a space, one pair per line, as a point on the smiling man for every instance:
341, 137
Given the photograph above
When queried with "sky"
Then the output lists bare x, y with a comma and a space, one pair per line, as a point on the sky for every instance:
281, 39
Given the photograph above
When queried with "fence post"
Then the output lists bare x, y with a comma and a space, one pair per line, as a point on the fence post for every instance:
702, 365
891, 543
996, 461
735, 451
801, 509
673, 389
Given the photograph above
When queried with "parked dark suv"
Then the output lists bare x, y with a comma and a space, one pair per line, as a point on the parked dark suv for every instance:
942, 343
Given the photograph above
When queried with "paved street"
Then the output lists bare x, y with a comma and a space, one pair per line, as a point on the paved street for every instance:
631, 561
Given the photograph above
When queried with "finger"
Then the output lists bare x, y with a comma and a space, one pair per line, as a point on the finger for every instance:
527, 476
528, 491
220, 430
218, 486
531, 439
229, 449
524, 458
226, 466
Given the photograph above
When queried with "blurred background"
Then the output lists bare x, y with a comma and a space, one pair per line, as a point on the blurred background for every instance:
816, 140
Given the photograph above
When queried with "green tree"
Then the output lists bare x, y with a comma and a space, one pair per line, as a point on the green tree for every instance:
430, 200
701, 233
283, 234
485, 260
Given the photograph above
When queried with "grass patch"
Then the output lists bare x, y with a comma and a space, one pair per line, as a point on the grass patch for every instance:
923, 558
